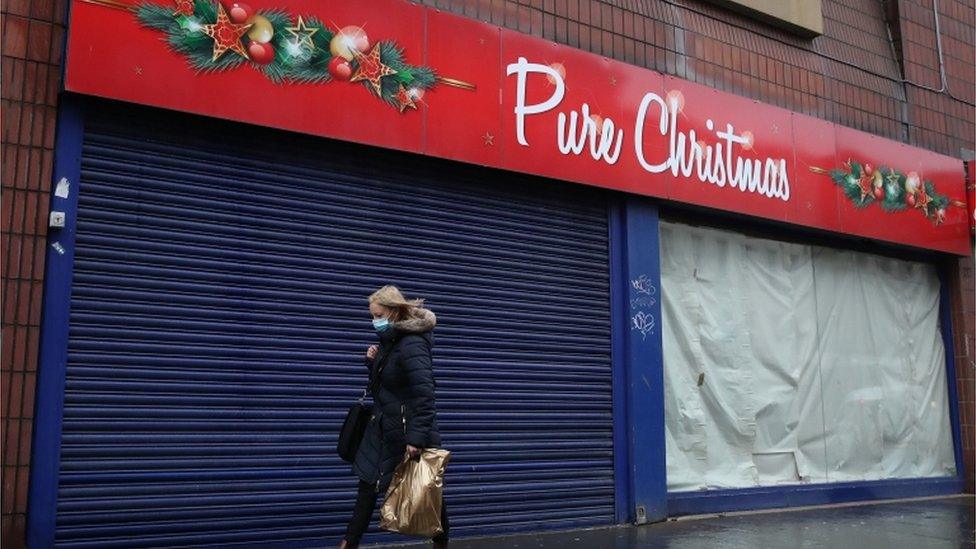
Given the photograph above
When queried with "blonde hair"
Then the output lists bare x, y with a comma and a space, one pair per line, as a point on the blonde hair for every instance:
391, 298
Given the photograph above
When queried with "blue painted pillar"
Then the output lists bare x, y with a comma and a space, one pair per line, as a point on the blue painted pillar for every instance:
638, 361
945, 321
42, 496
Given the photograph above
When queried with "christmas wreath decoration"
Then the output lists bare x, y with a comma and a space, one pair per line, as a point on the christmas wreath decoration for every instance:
222, 35
893, 190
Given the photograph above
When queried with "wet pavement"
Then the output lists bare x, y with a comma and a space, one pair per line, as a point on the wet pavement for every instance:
917, 524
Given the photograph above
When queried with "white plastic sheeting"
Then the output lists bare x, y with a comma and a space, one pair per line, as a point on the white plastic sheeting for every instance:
786, 363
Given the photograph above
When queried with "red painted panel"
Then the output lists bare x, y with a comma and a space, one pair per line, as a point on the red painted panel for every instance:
473, 112
464, 124
146, 71
591, 92
971, 193
815, 196
946, 232
746, 148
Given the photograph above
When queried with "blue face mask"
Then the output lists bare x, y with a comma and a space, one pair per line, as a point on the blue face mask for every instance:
381, 324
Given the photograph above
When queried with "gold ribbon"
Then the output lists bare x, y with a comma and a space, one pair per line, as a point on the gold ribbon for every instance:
111, 4
455, 83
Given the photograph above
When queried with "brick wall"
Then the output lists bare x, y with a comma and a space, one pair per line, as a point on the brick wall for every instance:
31, 64
964, 322
963, 288
942, 121
852, 75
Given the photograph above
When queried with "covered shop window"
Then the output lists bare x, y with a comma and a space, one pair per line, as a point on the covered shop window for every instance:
787, 363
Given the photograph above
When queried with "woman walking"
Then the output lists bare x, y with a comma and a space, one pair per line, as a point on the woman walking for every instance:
404, 419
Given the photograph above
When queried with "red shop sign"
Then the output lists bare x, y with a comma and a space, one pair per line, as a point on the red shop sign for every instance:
398, 75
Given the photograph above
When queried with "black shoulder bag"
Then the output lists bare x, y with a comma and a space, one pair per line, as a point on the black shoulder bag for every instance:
354, 427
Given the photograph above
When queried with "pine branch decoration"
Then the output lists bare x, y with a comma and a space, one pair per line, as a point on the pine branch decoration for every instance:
296, 59
893, 190
300, 66
157, 17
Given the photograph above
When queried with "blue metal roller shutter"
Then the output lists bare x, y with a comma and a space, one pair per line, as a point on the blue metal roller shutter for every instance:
218, 323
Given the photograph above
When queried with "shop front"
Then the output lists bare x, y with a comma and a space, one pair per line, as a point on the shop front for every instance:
653, 298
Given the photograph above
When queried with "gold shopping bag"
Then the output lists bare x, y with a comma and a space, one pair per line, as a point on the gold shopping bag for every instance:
413, 500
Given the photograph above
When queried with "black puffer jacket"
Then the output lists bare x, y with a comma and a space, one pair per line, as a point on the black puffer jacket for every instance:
403, 399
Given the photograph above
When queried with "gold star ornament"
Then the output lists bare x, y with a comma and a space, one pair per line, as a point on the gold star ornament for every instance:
302, 33
226, 35
184, 8
922, 199
866, 187
371, 69
404, 99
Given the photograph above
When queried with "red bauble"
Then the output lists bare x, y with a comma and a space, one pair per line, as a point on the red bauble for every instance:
910, 200
879, 193
340, 69
262, 54
239, 12
868, 170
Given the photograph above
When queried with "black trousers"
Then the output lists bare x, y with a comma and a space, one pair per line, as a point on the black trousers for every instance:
363, 511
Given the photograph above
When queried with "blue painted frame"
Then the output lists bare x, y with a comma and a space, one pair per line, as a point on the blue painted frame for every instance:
945, 319
618, 310
748, 499
53, 352
639, 460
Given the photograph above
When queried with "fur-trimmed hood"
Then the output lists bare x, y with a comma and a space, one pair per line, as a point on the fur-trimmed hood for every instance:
421, 321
